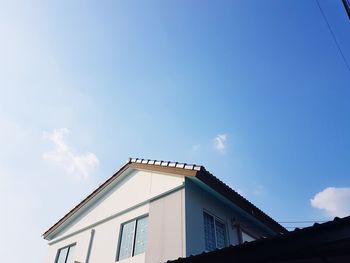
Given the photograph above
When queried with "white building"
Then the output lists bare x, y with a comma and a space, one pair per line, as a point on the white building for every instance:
154, 211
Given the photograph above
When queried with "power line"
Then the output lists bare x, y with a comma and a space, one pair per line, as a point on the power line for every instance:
333, 35
302, 222
293, 221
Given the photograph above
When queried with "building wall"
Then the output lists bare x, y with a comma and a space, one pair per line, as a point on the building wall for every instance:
175, 227
104, 244
123, 194
137, 189
166, 239
199, 200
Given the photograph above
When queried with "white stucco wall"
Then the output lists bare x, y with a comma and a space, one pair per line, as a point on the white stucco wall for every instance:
131, 191
105, 241
166, 239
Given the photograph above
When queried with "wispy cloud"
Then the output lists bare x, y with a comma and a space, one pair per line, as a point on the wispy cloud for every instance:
220, 143
62, 155
333, 201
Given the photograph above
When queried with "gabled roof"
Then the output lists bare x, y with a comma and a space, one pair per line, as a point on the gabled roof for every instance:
191, 170
327, 242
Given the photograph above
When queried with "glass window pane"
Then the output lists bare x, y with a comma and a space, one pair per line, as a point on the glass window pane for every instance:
127, 240
62, 254
209, 234
70, 255
220, 234
141, 235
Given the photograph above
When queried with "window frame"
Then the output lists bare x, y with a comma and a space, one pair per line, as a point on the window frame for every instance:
136, 219
60, 249
216, 219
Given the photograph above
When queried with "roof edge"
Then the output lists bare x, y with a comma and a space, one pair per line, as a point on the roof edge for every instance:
222, 188
135, 163
86, 200
183, 169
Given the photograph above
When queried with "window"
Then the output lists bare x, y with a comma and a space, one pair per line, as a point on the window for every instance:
133, 238
65, 254
214, 232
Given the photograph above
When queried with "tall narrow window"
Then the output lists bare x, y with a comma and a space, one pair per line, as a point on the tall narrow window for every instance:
220, 234
127, 240
209, 232
65, 254
141, 235
133, 238
214, 232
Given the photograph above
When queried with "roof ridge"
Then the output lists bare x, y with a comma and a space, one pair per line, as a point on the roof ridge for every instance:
181, 165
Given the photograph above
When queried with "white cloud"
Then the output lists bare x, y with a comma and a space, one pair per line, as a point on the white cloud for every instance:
220, 143
82, 165
333, 201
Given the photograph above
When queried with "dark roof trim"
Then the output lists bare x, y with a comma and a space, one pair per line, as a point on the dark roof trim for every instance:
220, 187
180, 169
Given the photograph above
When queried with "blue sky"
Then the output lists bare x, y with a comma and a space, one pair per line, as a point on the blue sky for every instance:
256, 91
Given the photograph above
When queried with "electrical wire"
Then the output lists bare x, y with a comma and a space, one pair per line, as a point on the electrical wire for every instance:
302, 222
294, 221
333, 35
296, 224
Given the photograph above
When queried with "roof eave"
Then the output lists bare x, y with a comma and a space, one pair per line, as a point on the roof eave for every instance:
183, 169
219, 186
133, 163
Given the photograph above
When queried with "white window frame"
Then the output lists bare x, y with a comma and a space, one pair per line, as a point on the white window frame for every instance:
133, 239
216, 219
60, 249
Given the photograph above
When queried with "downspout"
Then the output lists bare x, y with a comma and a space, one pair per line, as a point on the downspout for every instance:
236, 225
92, 234
239, 234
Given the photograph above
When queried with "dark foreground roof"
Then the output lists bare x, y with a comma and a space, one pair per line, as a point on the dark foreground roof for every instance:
326, 243
184, 169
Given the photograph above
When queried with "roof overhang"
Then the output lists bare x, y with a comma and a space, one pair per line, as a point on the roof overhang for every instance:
183, 169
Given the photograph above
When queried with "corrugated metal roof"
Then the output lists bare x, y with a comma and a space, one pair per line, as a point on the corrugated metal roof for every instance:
319, 241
